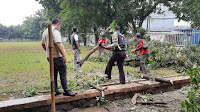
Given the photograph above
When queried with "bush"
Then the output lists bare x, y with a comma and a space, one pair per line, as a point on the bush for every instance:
29, 92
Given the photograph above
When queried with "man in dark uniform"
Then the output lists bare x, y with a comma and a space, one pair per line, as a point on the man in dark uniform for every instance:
118, 55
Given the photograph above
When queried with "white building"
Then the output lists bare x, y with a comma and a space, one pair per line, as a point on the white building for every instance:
160, 22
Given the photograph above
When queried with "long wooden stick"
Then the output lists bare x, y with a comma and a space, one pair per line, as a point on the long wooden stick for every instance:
87, 56
108, 84
139, 80
151, 102
157, 79
53, 105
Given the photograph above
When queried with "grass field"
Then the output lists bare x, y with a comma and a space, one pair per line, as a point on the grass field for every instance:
24, 65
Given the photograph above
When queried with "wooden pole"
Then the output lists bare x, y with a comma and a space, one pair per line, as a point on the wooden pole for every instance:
53, 107
151, 102
157, 79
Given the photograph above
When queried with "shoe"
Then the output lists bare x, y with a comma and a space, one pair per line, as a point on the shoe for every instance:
58, 93
106, 76
69, 93
80, 71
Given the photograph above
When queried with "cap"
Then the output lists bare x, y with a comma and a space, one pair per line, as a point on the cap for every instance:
138, 35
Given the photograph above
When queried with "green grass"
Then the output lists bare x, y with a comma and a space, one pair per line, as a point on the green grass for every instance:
24, 65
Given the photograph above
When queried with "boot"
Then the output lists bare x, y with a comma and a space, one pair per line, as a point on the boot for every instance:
69, 93
58, 93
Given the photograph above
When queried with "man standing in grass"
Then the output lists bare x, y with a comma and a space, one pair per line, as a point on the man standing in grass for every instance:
76, 49
118, 55
58, 57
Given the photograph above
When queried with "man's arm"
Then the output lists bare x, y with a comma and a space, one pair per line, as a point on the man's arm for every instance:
78, 46
59, 48
139, 45
115, 42
44, 47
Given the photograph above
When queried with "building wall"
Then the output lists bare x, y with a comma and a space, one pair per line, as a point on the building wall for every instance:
161, 22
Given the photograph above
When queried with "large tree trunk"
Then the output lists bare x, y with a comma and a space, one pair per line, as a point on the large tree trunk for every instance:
134, 27
69, 38
84, 38
96, 35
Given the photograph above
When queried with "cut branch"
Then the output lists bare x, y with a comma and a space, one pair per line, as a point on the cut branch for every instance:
87, 56
151, 102
157, 79
134, 99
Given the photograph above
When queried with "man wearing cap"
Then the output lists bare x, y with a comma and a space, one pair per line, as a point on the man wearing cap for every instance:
58, 56
103, 43
118, 48
76, 49
145, 53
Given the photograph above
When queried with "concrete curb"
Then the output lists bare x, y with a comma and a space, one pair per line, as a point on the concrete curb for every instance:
45, 100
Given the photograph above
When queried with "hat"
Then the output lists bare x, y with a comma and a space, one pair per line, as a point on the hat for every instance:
138, 35
117, 27
103, 35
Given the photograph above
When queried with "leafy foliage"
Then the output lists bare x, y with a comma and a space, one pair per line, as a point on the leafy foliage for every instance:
30, 92
190, 104
187, 10
146, 97
102, 101
100, 58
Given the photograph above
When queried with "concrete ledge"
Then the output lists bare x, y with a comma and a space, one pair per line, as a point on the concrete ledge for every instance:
45, 100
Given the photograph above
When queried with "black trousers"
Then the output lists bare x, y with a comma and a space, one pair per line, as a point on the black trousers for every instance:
117, 56
60, 67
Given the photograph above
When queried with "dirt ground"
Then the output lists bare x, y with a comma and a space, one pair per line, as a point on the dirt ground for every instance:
173, 98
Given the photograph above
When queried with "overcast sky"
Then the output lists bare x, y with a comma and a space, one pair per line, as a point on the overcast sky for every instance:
13, 12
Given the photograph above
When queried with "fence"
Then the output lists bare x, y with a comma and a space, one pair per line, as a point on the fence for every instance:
185, 38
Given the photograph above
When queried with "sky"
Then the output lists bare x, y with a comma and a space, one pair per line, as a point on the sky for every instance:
13, 12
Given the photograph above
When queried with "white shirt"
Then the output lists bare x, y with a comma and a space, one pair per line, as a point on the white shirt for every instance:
56, 38
76, 37
56, 35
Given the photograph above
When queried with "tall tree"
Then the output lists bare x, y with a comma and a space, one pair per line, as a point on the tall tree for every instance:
188, 10
85, 14
34, 25
52, 7
134, 12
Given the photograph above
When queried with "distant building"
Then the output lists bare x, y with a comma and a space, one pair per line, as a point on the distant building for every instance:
160, 22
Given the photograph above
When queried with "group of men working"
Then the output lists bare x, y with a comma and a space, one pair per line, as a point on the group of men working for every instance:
118, 55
